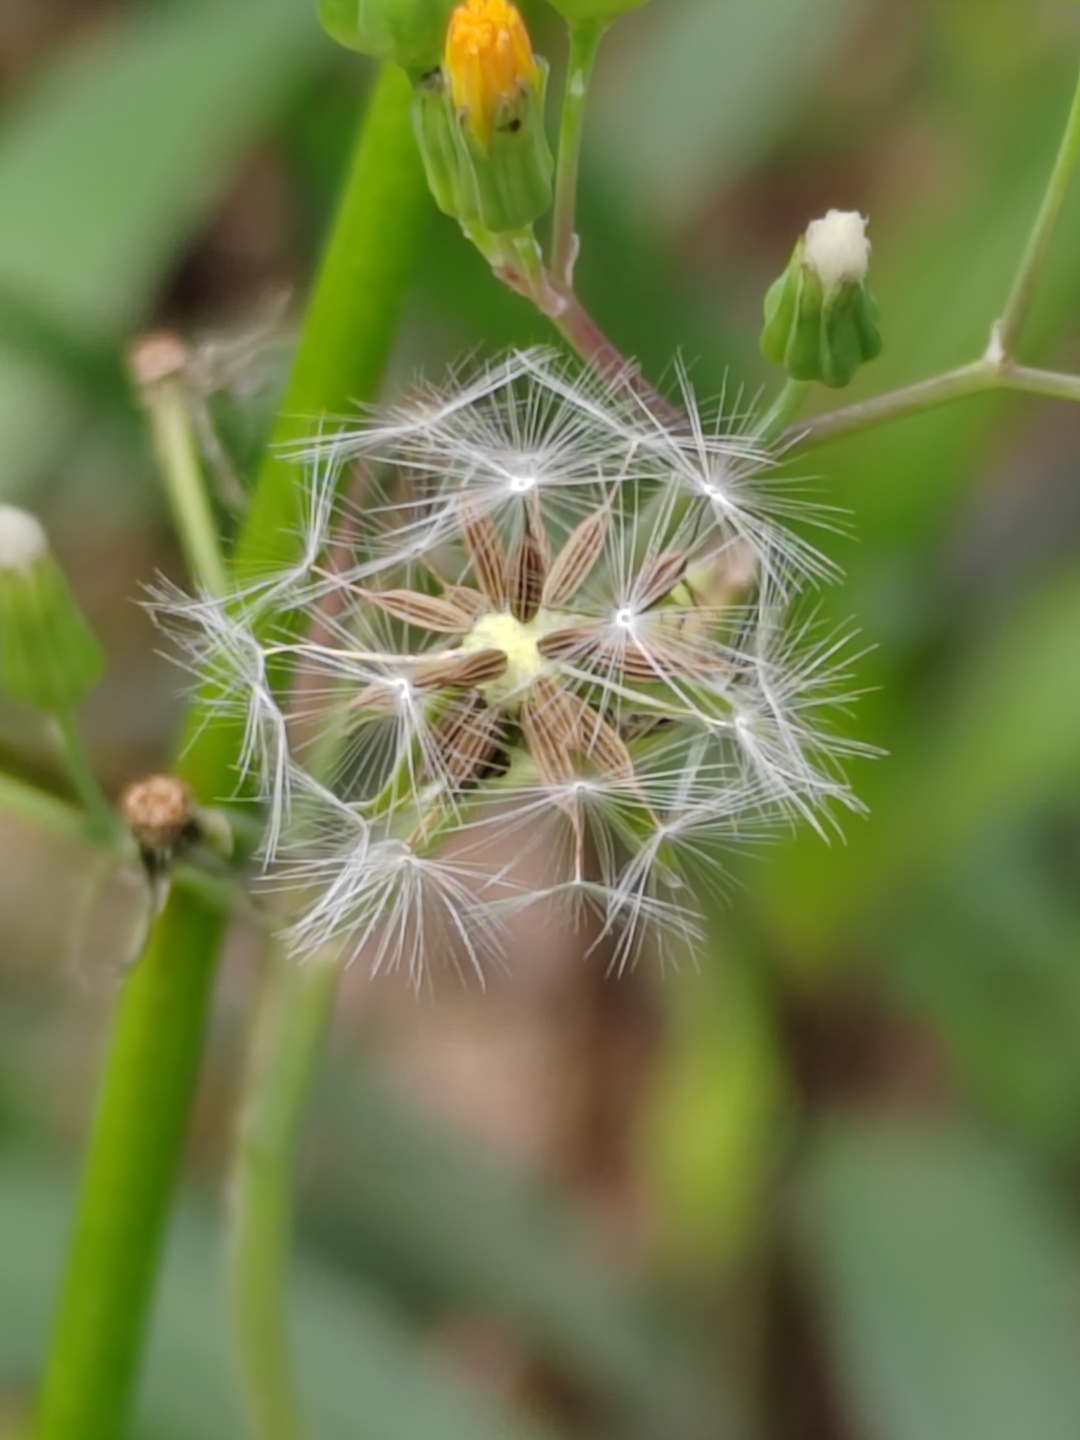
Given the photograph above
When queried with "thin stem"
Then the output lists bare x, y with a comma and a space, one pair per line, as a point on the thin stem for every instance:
295, 1004
40, 808
103, 817
185, 485
153, 1061
986, 374
585, 38
1038, 246
581, 331
784, 408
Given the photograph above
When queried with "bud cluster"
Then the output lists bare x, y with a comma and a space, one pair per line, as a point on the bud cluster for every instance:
556, 662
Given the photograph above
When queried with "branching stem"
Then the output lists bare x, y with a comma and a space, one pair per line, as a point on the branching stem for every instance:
1042, 234
989, 373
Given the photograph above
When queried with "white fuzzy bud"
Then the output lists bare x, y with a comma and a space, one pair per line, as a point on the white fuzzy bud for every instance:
23, 541
837, 249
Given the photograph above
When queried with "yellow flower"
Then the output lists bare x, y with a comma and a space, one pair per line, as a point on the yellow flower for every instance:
489, 60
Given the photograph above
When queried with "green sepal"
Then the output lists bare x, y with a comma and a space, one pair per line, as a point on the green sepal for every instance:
814, 336
49, 656
410, 33
504, 187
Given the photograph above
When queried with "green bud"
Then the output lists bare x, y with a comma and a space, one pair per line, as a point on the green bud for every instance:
406, 32
503, 185
821, 321
49, 657
585, 10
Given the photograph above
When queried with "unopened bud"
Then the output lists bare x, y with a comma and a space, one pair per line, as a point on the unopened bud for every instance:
409, 33
821, 321
479, 121
49, 657
160, 812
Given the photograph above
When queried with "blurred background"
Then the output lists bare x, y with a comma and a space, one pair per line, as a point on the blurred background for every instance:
825, 1187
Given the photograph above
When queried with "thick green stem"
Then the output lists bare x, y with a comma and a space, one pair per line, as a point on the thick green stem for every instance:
352, 317
585, 38
293, 1015
138, 1133
989, 373
1031, 265
135, 1151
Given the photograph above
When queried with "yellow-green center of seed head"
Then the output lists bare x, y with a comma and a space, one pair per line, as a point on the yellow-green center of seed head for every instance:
518, 642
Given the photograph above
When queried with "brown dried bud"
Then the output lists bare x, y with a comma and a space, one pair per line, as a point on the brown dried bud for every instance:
160, 811
157, 357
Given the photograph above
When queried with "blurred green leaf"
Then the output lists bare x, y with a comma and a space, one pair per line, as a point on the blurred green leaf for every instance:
438, 1223
363, 1371
950, 1283
990, 959
108, 163
709, 84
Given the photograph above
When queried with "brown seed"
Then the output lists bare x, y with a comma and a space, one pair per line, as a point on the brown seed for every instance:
575, 642
596, 740
474, 602
466, 738
456, 672
485, 550
658, 578
427, 612
574, 562
525, 574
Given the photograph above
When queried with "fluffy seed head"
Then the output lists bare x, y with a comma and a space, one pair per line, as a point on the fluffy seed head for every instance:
544, 635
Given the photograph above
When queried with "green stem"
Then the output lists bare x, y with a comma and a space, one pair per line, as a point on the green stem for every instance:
185, 485
136, 1144
27, 802
152, 1066
103, 817
293, 1014
784, 409
1038, 247
989, 373
585, 38
352, 317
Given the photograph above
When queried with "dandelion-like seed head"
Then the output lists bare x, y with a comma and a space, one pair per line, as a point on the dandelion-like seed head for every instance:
532, 642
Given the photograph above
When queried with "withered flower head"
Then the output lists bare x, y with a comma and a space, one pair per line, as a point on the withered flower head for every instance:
549, 655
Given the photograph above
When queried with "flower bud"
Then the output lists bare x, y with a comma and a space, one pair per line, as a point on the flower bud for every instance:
49, 657
407, 32
821, 322
585, 11
479, 121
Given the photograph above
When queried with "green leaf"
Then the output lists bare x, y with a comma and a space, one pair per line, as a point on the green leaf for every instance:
436, 1221
109, 163
709, 86
363, 1371
950, 1284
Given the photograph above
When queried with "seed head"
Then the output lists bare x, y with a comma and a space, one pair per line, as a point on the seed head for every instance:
558, 644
